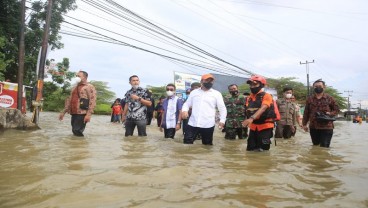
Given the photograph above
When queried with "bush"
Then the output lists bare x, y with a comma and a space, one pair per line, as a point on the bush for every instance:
103, 109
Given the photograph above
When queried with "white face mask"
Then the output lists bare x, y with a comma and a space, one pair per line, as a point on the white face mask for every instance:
74, 81
135, 86
288, 96
169, 93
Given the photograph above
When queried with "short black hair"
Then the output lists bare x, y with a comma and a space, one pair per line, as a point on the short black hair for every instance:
195, 84
228, 87
287, 88
319, 80
171, 85
85, 74
131, 77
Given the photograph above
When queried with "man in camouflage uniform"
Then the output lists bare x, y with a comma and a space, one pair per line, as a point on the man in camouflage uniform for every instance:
235, 106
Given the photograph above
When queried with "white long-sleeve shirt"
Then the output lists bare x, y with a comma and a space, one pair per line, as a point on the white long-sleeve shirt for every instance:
203, 104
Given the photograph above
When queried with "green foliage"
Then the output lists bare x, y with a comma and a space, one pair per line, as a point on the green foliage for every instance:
3, 62
54, 97
299, 90
9, 29
157, 92
104, 95
103, 109
56, 92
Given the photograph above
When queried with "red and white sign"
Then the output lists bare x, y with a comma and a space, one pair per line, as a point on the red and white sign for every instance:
9, 96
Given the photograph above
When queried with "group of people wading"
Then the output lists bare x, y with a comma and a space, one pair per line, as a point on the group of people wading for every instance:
197, 114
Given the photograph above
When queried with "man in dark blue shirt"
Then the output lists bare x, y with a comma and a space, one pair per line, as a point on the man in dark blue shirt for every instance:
137, 100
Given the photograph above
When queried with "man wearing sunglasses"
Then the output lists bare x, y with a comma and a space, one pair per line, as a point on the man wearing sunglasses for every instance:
204, 102
171, 117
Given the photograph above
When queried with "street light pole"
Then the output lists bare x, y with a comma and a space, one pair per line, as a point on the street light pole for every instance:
348, 91
307, 70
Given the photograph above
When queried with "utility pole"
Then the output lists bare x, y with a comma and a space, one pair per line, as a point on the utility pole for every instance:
360, 107
348, 91
307, 70
21, 55
37, 104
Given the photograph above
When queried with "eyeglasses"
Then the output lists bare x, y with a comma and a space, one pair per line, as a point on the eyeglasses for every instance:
170, 89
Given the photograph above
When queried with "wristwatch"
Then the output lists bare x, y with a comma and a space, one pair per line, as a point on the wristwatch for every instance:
254, 118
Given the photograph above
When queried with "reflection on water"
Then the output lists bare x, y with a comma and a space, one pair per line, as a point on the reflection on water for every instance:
52, 168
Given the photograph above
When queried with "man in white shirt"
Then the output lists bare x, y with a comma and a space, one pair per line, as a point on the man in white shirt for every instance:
204, 103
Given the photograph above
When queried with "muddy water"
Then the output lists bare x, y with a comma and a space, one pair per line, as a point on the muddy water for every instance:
52, 168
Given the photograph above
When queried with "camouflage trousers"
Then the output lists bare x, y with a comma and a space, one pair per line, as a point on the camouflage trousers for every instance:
231, 133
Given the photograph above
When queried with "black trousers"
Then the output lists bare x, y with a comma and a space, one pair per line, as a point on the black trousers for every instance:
321, 137
159, 117
185, 125
259, 139
169, 133
149, 117
192, 132
78, 124
130, 126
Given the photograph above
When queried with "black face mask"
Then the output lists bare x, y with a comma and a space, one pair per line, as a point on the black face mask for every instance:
255, 90
207, 85
234, 92
318, 90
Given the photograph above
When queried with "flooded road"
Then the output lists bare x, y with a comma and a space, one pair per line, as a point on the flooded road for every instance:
52, 168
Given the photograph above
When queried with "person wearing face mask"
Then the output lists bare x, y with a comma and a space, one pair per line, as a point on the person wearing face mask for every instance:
320, 103
260, 115
171, 117
235, 107
204, 103
135, 111
289, 115
80, 114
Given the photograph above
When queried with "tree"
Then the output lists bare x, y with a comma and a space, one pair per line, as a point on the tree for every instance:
157, 92
104, 95
299, 89
3, 62
9, 29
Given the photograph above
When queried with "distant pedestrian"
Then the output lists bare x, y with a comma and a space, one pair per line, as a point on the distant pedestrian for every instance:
112, 105
235, 106
319, 111
289, 115
117, 110
171, 117
81, 104
260, 115
135, 111
204, 103
159, 110
150, 109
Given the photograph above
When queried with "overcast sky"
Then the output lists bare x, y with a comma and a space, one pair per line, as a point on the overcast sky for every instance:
266, 37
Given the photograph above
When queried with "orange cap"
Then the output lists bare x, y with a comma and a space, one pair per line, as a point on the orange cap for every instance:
207, 76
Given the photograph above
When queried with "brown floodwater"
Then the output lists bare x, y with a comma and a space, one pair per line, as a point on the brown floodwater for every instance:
52, 168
